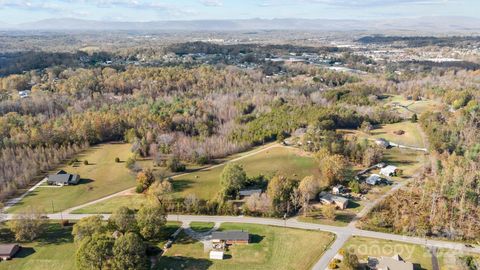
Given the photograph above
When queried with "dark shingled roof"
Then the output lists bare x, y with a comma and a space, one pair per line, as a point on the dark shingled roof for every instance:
62, 178
231, 235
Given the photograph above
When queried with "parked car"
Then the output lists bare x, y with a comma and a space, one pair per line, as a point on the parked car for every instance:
168, 244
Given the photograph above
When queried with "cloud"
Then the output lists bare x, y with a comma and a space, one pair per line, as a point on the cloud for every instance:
212, 3
377, 3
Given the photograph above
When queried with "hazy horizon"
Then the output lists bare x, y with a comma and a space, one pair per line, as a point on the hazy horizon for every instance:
26, 11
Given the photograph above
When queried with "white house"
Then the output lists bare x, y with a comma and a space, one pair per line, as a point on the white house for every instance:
216, 255
390, 170
373, 179
24, 93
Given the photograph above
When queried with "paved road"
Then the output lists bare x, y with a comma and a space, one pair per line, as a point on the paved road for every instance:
291, 223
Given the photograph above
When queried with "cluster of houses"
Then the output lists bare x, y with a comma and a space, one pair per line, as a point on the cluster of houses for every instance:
339, 193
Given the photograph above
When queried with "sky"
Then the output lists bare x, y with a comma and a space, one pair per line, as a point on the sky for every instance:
21, 11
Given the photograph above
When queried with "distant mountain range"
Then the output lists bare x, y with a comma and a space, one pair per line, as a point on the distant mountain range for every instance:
427, 24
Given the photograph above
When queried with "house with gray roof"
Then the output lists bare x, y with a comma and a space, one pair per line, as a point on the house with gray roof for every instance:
231, 237
339, 201
63, 179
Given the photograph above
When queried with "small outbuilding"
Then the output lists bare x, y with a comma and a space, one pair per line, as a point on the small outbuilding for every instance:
382, 143
231, 237
8, 251
373, 179
340, 202
338, 189
389, 170
248, 192
216, 255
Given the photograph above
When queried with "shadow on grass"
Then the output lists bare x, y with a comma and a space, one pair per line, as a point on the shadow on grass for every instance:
84, 181
181, 262
25, 252
255, 238
345, 217
54, 234
181, 184
352, 204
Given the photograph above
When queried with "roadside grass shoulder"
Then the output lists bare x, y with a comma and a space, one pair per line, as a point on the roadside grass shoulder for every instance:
201, 226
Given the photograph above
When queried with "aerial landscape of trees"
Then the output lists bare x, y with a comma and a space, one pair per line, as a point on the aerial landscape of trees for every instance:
193, 114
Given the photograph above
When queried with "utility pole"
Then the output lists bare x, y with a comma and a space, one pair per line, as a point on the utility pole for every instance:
53, 209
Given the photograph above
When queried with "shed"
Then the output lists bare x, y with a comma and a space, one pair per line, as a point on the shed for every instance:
231, 237
382, 142
7, 251
216, 255
338, 189
340, 202
373, 179
390, 170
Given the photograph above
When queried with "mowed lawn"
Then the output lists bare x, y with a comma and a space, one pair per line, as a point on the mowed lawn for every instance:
103, 176
365, 247
409, 107
411, 137
205, 184
53, 250
271, 248
282, 160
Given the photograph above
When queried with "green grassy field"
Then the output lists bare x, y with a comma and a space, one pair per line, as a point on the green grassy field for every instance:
201, 226
205, 184
412, 106
411, 137
410, 161
271, 248
365, 247
102, 177
53, 250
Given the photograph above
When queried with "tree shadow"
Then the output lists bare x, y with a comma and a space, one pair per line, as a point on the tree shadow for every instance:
181, 262
344, 217
181, 184
6, 236
54, 234
255, 238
